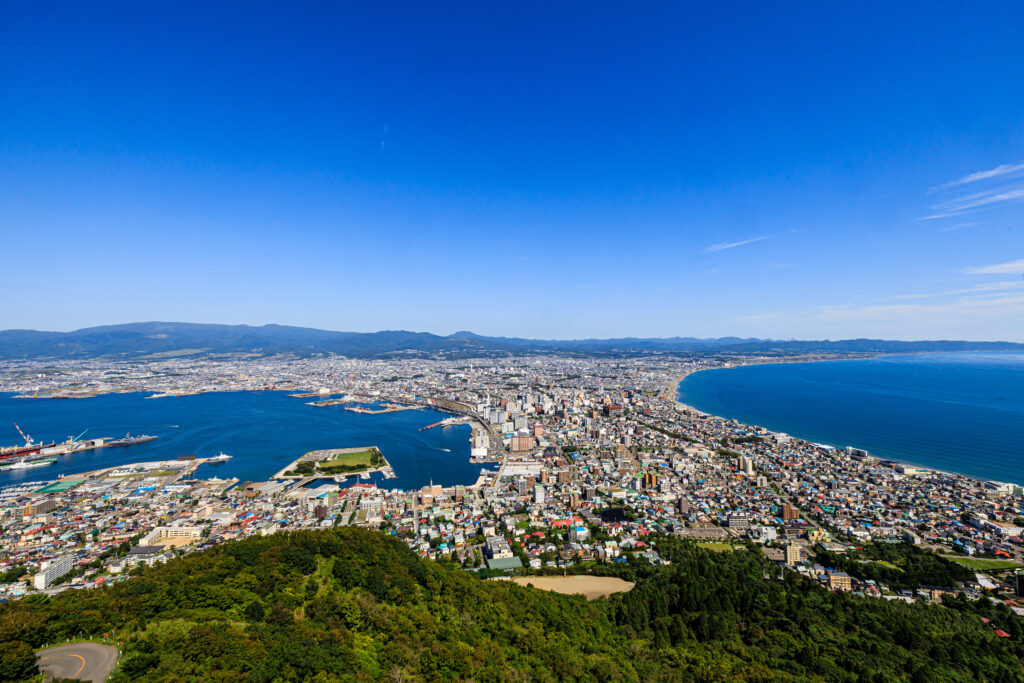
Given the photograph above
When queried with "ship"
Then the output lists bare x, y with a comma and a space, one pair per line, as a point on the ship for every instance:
220, 457
26, 464
130, 440
30, 447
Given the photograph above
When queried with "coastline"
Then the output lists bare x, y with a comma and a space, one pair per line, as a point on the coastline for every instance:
903, 460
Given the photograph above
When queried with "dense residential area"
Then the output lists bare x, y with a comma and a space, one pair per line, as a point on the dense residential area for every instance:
584, 463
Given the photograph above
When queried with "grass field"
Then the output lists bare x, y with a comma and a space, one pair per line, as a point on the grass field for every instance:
717, 547
357, 459
886, 563
982, 563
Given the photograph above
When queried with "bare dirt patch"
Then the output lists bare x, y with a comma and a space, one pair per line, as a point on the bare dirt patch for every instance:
589, 586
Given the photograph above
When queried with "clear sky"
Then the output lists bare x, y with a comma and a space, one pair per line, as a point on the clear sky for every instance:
785, 170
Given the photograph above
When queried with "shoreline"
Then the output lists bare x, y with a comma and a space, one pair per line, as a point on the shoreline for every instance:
899, 460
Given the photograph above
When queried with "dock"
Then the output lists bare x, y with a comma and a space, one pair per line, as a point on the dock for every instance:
447, 422
388, 408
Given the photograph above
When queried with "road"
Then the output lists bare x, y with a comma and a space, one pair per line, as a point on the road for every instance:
80, 661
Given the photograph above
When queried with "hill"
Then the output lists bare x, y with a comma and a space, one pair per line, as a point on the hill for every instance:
156, 339
352, 605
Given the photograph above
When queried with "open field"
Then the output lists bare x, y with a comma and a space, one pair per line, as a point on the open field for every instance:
356, 459
589, 586
982, 563
176, 541
716, 547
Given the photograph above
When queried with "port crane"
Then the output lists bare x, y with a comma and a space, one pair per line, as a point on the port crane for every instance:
28, 439
79, 436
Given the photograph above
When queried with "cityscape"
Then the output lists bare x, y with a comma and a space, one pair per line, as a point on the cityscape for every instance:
581, 461
517, 343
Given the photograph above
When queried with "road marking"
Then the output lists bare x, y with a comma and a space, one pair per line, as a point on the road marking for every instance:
74, 675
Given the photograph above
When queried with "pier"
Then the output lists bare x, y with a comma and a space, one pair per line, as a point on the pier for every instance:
447, 422
387, 408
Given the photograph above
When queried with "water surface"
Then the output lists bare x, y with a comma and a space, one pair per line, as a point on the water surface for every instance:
960, 412
264, 431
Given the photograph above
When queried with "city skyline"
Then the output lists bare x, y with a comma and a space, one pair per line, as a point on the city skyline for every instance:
557, 173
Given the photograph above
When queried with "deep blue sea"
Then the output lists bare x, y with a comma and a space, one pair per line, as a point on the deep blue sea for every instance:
959, 412
264, 431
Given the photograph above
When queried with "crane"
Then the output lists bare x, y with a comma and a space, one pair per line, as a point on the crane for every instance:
79, 436
28, 439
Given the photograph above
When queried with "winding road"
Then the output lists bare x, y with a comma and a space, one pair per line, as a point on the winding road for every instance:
80, 661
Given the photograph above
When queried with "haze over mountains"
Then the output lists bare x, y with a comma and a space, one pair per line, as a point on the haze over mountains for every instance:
139, 340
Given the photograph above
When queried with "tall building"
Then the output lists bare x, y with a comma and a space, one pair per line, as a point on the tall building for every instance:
792, 554
789, 513
538, 494
52, 570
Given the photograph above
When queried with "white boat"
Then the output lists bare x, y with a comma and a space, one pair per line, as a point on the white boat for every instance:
26, 464
220, 457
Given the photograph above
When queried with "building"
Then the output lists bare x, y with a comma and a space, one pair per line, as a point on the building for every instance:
792, 554
51, 570
38, 508
172, 535
738, 521
538, 494
839, 581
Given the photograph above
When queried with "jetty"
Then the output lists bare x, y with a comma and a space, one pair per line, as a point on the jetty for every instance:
386, 408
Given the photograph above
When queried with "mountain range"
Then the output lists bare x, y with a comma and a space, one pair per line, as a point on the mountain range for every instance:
149, 339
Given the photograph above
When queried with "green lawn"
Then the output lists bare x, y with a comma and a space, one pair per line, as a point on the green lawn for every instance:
717, 547
886, 563
357, 459
982, 563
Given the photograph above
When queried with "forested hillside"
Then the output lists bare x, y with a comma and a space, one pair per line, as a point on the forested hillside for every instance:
351, 604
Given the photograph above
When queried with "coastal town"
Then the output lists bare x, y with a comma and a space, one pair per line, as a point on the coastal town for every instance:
582, 461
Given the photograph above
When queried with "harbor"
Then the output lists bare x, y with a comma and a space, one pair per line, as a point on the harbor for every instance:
264, 430
32, 454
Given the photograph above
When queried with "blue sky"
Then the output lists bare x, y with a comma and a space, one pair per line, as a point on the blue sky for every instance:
586, 170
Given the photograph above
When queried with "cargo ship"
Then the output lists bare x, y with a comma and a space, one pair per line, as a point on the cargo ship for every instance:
30, 447
130, 440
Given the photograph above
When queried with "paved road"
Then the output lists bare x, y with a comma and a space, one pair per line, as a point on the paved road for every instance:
81, 661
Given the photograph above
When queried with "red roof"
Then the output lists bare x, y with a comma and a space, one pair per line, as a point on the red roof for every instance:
1001, 633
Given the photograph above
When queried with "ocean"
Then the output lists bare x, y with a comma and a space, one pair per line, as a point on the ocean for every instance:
958, 412
264, 431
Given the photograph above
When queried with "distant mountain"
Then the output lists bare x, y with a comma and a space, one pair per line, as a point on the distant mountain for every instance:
155, 339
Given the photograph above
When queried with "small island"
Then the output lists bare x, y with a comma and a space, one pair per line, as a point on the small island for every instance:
336, 462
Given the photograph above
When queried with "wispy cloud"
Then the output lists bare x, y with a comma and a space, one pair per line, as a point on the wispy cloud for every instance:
1008, 268
997, 185
1000, 171
722, 246
982, 289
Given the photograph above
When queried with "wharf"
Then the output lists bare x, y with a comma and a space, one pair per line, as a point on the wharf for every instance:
388, 408
447, 422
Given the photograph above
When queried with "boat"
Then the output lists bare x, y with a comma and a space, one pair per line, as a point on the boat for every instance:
26, 464
30, 447
220, 457
130, 440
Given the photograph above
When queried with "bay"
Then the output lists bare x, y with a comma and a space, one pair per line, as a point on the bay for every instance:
263, 431
958, 412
